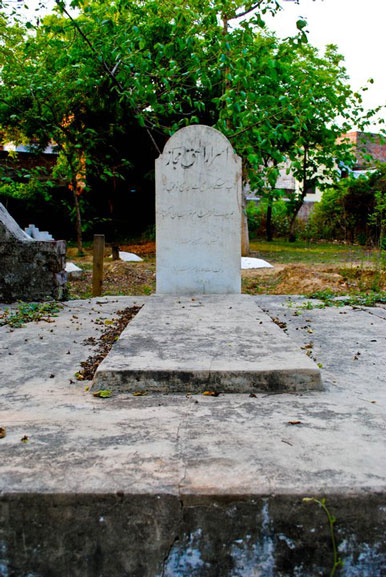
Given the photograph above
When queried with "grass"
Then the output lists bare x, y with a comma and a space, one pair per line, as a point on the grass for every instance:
282, 251
29, 312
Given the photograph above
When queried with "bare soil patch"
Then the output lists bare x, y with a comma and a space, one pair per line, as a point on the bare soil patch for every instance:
120, 278
306, 278
138, 278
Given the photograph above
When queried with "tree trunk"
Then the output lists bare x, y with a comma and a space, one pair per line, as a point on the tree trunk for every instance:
269, 221
299, 202
292, 232
244, 227
115, 252
78, 220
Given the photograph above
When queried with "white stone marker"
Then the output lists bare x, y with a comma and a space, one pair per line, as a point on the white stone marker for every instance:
198, 214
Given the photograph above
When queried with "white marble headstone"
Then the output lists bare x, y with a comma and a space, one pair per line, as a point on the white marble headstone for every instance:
198, 214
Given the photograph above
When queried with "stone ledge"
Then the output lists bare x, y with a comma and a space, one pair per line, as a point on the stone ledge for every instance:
205, 343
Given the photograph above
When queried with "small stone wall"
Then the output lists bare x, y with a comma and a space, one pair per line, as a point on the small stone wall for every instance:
29, 269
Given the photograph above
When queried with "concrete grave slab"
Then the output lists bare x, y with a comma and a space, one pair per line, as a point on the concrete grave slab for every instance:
72, 270
189, 485
37, 234
198, 214
215, 342
129, 256
250, 262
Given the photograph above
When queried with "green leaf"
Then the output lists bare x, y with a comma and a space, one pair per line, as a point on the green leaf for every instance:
103, 394
301, 24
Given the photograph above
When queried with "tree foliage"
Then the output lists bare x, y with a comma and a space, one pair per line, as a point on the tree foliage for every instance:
354, 209
136, 71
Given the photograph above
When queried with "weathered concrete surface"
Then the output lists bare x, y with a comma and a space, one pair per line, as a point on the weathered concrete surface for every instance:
192, 486
29, 269
214, 342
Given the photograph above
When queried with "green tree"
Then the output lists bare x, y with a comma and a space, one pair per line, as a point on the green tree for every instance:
327, 109
147, 68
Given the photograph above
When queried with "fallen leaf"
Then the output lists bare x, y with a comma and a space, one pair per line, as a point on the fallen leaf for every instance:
139, 394
211, 393
294, 422
252, 395
3, 432
103, 394
24, 439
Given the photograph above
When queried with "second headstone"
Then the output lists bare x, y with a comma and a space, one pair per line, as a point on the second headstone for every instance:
198, 214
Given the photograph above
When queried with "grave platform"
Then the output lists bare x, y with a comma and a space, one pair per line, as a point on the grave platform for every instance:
191, 485
218, 343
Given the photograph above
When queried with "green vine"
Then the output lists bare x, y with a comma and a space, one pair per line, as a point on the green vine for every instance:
331, 522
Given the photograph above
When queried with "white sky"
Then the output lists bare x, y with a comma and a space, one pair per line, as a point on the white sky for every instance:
357, 27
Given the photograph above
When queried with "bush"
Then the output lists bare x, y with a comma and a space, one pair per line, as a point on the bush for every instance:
25, 190
257, 218
353, 210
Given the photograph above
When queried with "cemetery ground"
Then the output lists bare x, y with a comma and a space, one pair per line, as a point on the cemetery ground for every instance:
199, 485
299, 268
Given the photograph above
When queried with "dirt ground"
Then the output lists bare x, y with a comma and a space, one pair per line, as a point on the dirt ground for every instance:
295, 278
138, 278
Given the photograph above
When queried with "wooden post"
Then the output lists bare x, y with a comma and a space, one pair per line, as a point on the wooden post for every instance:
115, 252
97, 265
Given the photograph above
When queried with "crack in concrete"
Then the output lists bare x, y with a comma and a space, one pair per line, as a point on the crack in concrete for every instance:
179, 487
179, 451
373, 314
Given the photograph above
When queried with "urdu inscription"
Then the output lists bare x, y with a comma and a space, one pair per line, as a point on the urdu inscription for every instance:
198, 214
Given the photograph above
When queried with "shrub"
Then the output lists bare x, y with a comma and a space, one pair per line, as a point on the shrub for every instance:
257, 218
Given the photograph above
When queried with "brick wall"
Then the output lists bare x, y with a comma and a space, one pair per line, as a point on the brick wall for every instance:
366, 144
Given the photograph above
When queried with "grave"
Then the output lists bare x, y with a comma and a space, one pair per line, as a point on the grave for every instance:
192, 485
30, 269
198, 214
198, 333
37, 234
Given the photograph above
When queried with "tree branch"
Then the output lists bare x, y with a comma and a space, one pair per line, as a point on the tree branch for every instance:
111, 73
241, 14
90, 45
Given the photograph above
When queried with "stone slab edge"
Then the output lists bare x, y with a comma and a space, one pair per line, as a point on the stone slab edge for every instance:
115, 372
